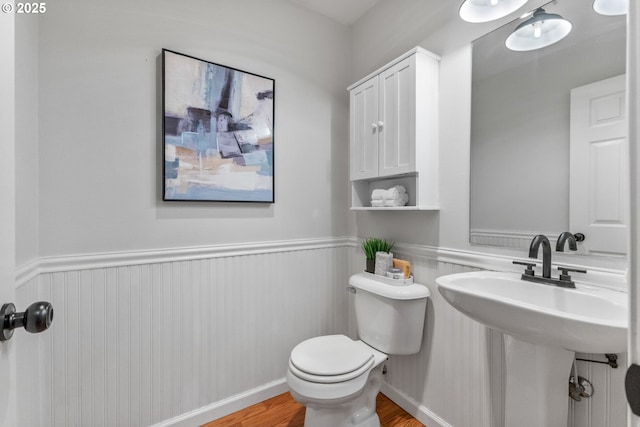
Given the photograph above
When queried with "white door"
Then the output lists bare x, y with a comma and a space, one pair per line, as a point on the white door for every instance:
398, 118
633, 72
364, 130
7, 212
598, 166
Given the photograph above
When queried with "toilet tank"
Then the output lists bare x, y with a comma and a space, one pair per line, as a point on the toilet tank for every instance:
390, 317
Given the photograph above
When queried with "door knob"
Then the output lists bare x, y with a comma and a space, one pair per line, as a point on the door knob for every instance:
632, 388
36, 318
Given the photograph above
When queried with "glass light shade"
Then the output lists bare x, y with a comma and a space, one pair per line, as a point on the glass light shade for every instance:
488, 10
540, 30
611, 7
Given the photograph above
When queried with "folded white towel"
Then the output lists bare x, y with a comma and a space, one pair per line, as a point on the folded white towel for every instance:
397, 202
378, 194
393, 193
396, 192
403, 200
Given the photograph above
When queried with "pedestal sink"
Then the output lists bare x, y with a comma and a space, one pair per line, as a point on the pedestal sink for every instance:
544, 326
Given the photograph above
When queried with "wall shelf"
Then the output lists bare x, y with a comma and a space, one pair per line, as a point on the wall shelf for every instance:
416, 187
394, 132
395, 208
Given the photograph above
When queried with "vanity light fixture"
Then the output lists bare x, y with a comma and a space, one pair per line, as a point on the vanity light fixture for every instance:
476, 11
540, 30
611, 7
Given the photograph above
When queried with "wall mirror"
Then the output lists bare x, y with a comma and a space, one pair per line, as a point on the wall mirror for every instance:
521, 159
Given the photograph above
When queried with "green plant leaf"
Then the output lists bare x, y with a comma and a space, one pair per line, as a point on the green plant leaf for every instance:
372, 245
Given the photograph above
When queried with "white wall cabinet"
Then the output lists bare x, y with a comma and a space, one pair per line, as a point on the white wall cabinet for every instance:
394, 131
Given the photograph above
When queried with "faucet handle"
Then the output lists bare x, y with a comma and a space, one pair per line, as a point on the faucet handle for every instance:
566, 270
529, 270
564, 273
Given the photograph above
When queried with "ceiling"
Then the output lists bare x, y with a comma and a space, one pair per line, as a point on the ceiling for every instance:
343, 11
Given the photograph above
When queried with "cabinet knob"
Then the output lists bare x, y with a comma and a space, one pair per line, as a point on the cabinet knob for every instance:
374, 127
380, 125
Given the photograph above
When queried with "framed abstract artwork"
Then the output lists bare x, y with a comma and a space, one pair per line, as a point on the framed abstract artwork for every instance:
217, 132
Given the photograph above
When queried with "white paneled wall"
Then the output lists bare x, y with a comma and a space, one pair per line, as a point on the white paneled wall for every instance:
608, 405
457, 378
138, 344
30, 361
180, 339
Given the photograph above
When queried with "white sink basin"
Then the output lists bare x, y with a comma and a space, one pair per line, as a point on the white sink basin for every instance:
586, 319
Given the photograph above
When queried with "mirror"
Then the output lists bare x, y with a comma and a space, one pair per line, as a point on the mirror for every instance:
520, 114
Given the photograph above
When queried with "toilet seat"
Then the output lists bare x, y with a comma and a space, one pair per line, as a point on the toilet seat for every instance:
330, 359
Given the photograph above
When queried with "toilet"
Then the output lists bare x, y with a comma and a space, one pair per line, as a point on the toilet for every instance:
338, 378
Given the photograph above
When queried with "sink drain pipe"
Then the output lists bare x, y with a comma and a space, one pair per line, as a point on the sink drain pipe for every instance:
579, 387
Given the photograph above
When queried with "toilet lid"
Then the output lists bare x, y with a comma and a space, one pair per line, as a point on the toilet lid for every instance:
330, 355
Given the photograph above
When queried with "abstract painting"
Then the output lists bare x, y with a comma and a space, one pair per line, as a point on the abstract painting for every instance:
218, 132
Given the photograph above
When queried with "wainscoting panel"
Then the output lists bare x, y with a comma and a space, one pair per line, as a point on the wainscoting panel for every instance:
457, 379
502, 238
451, 377
608, 405
139, 344
30, 361
171, 337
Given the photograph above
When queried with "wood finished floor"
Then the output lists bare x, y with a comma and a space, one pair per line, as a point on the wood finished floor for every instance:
283, 411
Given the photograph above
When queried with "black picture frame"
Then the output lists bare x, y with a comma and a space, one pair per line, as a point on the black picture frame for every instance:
217, 125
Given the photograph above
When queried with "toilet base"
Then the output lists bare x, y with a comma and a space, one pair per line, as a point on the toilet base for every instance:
359, 412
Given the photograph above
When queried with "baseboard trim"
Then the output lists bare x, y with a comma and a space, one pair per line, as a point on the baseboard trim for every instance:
413, 408
227, 406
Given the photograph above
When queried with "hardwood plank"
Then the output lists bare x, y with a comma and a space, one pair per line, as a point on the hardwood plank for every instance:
283, 411
391, 415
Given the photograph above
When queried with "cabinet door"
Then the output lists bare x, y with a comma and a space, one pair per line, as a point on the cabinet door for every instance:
364, 130
397, 119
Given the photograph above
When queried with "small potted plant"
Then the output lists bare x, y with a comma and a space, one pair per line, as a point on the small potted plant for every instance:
370, 247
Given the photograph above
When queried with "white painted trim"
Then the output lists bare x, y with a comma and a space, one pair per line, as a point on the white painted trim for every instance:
27, 272
227, 406
405, 55
118, 259
633, 110
414, 408
611, 278
502, 238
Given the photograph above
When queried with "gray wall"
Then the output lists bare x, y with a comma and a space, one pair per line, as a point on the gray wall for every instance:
384, 33
99, 122
27, 163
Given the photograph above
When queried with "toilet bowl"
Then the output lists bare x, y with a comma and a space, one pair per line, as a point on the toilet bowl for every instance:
337, 378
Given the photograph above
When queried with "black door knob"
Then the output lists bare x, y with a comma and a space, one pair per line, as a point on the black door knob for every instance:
632, 388
36, 318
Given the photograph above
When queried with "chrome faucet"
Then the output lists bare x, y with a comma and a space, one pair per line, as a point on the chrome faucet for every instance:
565, 279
